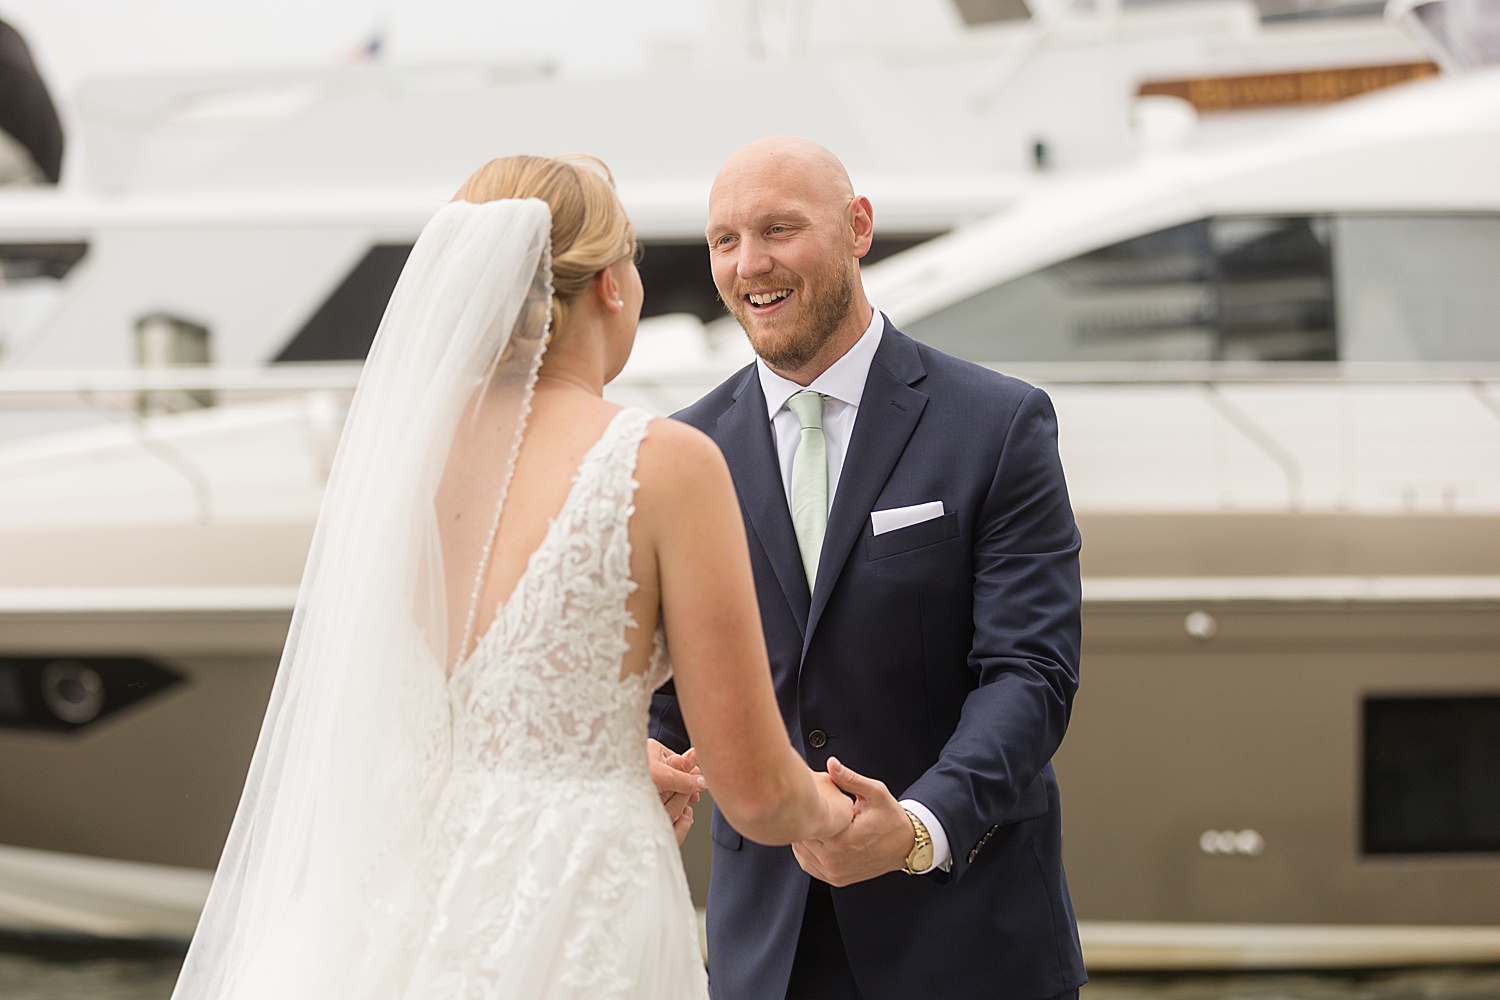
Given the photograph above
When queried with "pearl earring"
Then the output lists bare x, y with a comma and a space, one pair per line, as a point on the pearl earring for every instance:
620, 303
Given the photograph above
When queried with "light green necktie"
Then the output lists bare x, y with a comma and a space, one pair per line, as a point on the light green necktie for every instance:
810, 480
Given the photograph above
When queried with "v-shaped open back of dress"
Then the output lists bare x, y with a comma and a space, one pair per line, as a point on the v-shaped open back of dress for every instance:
550, 868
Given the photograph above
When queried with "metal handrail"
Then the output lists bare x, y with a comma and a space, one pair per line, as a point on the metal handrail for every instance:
122, 397
281, 379
89, 389
1184, 373
1256, 372
1261, 438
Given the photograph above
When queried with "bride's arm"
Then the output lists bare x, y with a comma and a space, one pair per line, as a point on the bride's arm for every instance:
686, 506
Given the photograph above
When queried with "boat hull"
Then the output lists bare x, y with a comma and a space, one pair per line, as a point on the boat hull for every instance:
1256, 728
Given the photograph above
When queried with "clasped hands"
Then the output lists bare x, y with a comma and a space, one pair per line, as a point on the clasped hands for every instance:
679, 781
877, 840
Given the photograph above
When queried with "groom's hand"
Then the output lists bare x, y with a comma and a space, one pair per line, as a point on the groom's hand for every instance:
678, 782
878, 841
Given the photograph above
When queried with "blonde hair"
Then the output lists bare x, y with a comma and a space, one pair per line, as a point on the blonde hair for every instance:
590, 230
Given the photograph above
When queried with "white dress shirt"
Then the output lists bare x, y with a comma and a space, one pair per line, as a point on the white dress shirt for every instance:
843, 383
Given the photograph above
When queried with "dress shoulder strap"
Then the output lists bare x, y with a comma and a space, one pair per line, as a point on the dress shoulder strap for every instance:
621, 443
608, 470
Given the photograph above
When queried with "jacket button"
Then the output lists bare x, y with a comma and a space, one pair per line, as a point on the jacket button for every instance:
816, 739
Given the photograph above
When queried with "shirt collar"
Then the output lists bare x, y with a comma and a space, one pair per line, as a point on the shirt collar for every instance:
844, 380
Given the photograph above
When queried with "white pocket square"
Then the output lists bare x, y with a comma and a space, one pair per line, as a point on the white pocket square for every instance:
904, 517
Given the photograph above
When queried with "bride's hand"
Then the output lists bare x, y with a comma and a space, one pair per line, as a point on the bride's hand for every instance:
682, 824
837, 811
678, 781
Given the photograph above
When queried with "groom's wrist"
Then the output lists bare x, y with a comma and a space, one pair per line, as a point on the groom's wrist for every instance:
919, 858
942, 856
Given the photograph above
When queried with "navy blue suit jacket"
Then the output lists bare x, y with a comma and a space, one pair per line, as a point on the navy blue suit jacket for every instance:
941, 658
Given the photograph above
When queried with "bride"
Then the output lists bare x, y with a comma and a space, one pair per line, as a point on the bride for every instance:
451, 795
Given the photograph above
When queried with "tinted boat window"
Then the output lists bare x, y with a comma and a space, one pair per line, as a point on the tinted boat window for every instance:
677, 278
1431, 775
1274, 289
344, 326
1252, 289
31, 276
1418, 288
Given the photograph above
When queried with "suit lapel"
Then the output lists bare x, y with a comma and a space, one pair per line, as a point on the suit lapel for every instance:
888, 413
744, 435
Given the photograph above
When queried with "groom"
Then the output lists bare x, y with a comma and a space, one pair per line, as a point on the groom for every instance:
916, 564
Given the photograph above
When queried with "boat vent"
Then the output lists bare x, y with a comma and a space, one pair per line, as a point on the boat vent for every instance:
65, 694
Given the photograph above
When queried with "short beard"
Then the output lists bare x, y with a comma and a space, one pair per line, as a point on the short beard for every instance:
797, 346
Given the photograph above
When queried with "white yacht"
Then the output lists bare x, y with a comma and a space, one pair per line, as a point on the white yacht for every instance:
1277, 377
1276, 369
1270, 336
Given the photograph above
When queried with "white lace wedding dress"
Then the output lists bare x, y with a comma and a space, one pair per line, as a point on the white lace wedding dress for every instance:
407, 832
551, 865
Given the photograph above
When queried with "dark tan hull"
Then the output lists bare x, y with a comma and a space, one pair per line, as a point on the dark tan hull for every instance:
1256, 728
159, 781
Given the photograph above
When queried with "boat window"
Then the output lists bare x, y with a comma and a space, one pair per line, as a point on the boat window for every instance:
1418, 288
1234, 289
1282, 11
31, 276
344, 326
1431, 775
1242, 288
677, 278
1277, 288
991, 11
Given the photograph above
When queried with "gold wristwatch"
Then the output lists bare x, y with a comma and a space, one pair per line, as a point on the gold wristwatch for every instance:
920, 858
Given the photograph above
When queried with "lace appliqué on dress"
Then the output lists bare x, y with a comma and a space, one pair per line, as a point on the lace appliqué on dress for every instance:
553, 869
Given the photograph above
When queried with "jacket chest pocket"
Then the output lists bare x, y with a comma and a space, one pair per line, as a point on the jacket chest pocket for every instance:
915, 536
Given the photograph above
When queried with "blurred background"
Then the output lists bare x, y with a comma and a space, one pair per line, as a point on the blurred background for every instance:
1251, 249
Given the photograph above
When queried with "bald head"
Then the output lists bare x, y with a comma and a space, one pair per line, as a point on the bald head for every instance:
789, 162
785, 233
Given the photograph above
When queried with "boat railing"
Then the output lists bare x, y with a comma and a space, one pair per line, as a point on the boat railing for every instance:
34, 403
71, 389
1329, 436
21, 388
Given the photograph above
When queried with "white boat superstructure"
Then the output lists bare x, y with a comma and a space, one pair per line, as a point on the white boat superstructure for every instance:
197, 194
1414, 166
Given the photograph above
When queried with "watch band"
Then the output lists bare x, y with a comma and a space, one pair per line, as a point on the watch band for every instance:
920, 858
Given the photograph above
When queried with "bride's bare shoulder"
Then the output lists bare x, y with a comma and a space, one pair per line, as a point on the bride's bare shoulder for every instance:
673, 451
679, 465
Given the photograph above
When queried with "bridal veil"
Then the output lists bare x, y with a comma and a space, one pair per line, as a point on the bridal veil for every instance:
314, 895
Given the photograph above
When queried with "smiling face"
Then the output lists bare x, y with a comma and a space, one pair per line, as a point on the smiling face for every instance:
785, 231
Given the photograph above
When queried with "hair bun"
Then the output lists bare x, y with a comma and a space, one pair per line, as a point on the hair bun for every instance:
590, 230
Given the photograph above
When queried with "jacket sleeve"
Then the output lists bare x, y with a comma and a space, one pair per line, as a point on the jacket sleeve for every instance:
1027, 630
666, 725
